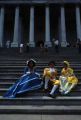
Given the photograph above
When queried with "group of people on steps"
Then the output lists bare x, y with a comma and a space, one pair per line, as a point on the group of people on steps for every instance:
31, 80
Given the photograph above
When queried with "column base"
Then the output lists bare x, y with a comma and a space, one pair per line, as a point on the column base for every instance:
49, 44
31, 44
1, 45
14, 44
63, 44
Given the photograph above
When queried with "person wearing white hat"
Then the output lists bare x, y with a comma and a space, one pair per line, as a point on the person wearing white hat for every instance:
29, 81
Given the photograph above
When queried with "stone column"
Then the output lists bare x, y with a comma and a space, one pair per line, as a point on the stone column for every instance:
47, 27
31, 29
78, 22
59, 29
16, 28
63, 28
1, 26
20, 31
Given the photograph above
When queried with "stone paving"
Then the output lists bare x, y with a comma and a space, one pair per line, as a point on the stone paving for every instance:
40, 117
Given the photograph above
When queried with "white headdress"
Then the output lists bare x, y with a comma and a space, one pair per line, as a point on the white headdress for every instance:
30, 60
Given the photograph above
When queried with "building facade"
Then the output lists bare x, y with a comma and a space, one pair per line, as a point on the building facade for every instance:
36, 21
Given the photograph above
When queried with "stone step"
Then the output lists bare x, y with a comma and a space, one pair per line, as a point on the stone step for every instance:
38, 66
77, 73
13, 75
21, 72
37, 109
38, 55
38, 52
74, 92
3, 67
8, 79
39, 61
44, 56
42, 100
41, 67
12, 68
14, 78
8, 84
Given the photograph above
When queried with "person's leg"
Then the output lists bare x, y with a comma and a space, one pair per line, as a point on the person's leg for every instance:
70, 87
46, 82
57, 49
53, 89
62, 81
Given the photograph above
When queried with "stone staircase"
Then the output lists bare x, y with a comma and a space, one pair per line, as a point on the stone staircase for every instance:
38, 102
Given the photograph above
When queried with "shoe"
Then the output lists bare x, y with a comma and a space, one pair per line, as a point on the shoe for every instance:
66, 93
46, 90
51, 95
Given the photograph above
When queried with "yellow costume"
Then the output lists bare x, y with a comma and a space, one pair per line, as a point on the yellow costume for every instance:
67, 79
51, 75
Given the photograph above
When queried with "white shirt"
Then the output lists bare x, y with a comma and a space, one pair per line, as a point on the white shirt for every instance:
52, 70
56, 42
21, 45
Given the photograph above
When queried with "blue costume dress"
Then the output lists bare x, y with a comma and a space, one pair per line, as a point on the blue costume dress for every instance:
28, 81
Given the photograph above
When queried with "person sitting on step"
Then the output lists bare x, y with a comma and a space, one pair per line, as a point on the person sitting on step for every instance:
67, 79
50, 75
29, 81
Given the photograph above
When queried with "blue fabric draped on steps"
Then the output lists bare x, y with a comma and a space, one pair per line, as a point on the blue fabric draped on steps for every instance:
25, 83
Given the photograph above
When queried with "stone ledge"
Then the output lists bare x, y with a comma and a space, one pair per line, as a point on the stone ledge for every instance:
37, 109
38, 1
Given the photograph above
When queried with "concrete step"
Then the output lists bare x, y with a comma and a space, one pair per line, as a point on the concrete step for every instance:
42, 56
41, 67
59, 67
37, 109
8, 84
14, 78
39, 63
38, 56
77, 73
21, 71
14, 75
42, 100
16, 72
38, 102
40, 60
75, 92
43, 60
8, 79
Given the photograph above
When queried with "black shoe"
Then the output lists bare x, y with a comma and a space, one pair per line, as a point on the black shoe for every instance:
53, 96
46, 90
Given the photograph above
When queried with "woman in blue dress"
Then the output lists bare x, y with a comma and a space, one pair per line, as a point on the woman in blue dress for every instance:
29, 81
